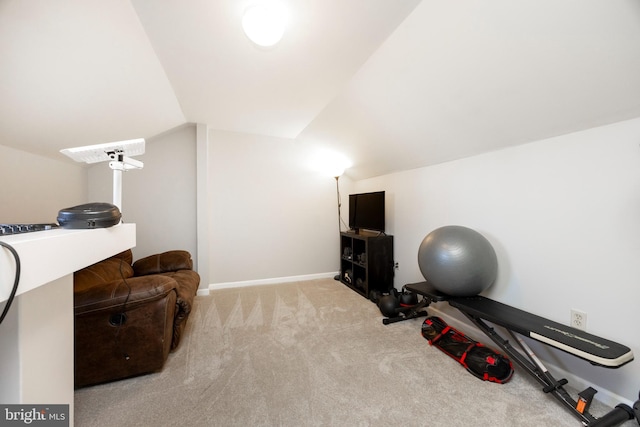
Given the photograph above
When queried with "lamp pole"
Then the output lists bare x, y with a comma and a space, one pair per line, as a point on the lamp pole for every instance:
337, 277
339, 203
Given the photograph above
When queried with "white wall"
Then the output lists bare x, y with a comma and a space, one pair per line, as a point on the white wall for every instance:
34, 188
160, 198
563, 215
272, 216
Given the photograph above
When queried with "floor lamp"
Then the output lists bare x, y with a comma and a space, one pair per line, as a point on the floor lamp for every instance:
337, 276
118, 154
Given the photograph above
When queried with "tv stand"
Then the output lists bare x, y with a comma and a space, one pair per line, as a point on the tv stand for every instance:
366, 262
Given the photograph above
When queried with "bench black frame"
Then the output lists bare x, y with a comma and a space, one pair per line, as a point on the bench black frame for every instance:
524, 357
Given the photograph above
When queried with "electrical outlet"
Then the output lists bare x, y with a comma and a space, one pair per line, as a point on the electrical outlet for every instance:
579, 319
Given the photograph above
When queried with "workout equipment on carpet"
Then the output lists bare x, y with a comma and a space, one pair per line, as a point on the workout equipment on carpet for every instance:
458, 261
596, 350
481, 361
398, 307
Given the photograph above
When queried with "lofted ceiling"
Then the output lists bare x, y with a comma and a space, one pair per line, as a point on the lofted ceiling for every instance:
392, 84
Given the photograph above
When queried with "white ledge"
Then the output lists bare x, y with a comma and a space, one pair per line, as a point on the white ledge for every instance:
48, 255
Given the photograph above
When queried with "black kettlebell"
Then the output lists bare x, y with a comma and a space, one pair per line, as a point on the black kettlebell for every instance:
388, 305
375, 295
408, 298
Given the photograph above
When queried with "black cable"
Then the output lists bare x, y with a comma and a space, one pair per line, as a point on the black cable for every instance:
16, 257
124, 280
123, 316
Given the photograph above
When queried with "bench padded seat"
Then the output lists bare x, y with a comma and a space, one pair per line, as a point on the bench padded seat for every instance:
594, 349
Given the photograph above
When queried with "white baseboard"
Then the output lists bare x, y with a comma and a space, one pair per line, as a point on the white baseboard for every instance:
273, 281
575, 382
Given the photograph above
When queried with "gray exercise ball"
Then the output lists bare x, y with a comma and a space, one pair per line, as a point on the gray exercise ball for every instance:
458, 261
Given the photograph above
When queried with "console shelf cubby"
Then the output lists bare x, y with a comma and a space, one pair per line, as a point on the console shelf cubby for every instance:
366, 262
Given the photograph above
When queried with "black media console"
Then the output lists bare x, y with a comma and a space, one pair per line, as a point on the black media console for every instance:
366, 262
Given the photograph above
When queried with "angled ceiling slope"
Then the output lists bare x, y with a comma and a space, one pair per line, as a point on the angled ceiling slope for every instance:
78, 73
393, 85
229, 83
462, 78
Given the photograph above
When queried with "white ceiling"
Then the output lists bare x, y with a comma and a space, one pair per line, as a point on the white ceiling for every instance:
393, 84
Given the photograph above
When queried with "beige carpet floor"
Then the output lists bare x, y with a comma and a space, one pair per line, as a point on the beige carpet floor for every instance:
311, 353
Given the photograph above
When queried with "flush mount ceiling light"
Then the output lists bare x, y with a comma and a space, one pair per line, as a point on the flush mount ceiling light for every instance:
264, 23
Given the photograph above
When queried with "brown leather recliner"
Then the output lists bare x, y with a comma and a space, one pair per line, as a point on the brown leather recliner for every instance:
129, 316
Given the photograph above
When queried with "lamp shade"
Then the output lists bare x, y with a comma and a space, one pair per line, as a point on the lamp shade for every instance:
328, 162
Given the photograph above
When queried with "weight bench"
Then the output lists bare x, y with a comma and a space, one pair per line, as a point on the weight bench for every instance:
595, 350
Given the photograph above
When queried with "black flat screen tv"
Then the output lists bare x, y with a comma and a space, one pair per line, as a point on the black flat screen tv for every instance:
366, 211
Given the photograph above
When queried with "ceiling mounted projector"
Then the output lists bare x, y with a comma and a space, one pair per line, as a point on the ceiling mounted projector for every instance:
118, 154
105, 152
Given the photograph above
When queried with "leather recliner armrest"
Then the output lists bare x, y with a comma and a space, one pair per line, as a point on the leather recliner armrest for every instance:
163, 263
121, 293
